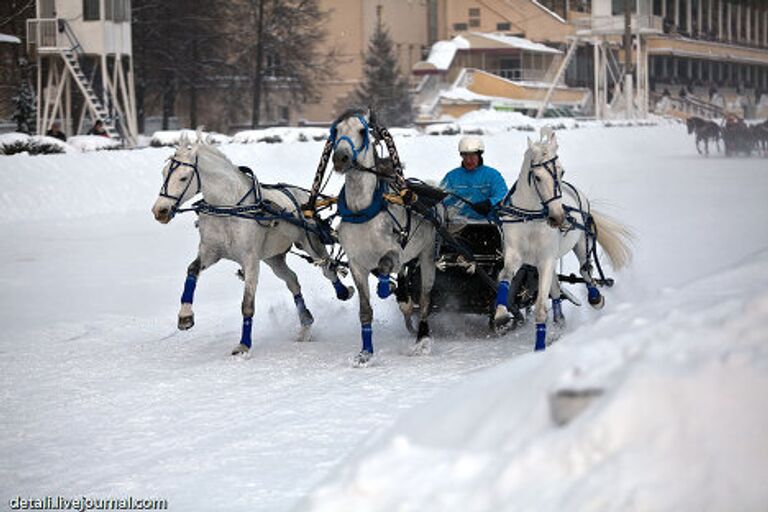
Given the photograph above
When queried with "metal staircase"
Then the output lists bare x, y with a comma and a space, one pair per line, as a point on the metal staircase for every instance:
93, 101
72, 61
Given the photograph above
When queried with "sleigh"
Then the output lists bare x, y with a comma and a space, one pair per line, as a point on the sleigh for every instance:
461, 285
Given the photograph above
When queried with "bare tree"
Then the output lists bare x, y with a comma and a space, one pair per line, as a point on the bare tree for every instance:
276, 43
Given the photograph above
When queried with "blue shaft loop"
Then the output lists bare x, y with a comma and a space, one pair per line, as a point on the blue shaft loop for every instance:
541, 337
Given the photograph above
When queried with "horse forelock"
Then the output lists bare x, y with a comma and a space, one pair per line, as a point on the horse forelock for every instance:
350, 112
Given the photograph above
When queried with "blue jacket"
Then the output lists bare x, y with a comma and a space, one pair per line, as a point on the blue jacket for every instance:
474, 186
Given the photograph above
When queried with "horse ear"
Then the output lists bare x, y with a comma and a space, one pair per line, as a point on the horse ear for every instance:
183, 140
547, 132
553, 143
530, 143
200, 135
372, 116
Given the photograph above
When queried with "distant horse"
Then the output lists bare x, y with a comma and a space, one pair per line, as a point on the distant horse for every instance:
242, 221
378, 237
543, 219
760, 137
705, 131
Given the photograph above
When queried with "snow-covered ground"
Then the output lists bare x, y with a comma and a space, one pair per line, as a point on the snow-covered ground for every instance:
101, 396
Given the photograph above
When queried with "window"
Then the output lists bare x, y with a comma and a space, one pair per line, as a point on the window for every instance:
91, 10
474, 22
503, 27
273, 65
474, 11
458, 27
617, 7
117, 10
47, 9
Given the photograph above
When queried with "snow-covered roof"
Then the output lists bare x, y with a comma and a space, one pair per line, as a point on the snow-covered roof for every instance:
5, 38
442, 53
520, 43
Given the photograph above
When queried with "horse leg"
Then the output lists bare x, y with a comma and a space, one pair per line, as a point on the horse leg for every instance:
360, 276
594, 297
186, 316
698, 139
317, 251
427, 264
251, 278
557, 302
387, 264
512, 262
546, 272
288, 276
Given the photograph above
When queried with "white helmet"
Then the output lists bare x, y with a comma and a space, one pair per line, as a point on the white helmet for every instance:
471, 144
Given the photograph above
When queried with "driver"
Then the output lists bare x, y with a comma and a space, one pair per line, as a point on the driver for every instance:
479, 187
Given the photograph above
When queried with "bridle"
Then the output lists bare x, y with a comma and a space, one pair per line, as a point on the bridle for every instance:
551, 167
364, 145
175, 164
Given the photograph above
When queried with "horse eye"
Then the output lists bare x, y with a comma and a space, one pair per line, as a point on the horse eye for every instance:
362, 131
183, 179
538, 179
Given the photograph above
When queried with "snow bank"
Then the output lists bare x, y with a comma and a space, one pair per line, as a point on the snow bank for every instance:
657, 407
281, 134
172, 137
70, 186
92, 143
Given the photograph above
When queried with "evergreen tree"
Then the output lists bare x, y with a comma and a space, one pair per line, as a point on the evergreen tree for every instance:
383, 88
25, 113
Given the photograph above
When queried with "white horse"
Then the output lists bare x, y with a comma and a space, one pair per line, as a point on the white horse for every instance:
245, 222
378, 237
545, 218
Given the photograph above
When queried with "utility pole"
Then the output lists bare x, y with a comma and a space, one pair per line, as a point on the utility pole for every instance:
628, 94
257, 78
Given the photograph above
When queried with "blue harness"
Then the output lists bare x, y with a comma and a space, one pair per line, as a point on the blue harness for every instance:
378, 204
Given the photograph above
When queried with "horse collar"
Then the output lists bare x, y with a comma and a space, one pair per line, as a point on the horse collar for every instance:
378, 204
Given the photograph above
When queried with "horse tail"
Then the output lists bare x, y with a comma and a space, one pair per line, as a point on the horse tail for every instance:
615, 239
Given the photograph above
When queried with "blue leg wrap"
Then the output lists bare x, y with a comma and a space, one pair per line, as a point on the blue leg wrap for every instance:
245, 339
299, 301
384, 288
593, 293
367, 332
189, 290
557, 308
342, 292
541, 337
502, 294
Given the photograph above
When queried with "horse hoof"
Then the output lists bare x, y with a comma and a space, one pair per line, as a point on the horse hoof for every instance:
363, 359
597, 302
423, 347
305, 334
186, 322
345, 293
501, 320
240, 350
306, 319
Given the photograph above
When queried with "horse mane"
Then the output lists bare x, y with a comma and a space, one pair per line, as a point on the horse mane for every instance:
353, 111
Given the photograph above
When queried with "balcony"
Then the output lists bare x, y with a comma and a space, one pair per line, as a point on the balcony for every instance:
614, 25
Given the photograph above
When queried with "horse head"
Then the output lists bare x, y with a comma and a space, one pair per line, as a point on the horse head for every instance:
545, 176
351, 140
181, 181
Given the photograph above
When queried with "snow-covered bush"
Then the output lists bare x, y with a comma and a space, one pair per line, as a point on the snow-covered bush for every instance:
171, 137
92, 143
13, 143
